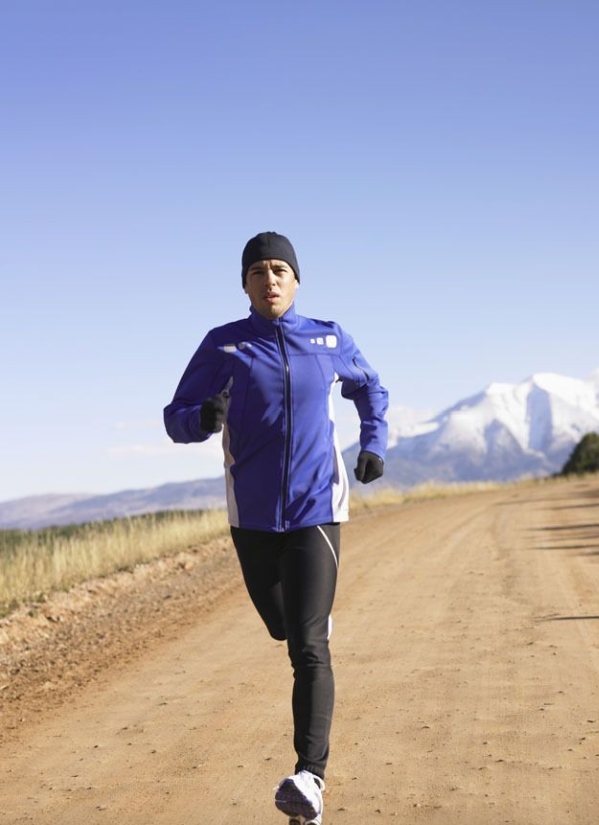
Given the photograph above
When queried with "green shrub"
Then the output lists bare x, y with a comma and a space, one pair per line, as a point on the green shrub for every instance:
584, 457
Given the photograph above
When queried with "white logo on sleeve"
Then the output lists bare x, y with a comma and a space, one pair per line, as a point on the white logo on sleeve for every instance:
235, 347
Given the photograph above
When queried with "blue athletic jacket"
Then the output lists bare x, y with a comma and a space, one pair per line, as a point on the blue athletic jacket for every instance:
283, 464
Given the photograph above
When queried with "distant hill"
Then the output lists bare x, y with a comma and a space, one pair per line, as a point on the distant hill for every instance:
41, 511
505, 432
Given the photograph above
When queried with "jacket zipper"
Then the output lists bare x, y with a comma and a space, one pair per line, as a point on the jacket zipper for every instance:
287, 450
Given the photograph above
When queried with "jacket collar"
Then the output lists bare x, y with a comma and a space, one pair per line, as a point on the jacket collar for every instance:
288, 321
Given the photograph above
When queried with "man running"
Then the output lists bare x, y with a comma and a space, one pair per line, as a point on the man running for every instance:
266, 381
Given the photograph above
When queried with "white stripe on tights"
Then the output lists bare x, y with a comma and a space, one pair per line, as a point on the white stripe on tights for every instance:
328, 541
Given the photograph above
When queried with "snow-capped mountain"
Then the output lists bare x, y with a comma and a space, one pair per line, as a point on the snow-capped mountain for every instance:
503, 433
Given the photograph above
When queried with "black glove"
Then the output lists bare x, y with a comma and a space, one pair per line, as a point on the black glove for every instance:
369, 467
213, 413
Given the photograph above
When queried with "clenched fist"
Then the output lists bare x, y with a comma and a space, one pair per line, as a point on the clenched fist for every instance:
369, 467
213, 413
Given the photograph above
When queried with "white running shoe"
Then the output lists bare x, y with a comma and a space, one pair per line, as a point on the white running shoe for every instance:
300, 797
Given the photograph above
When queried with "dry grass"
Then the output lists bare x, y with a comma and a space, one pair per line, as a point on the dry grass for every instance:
389, 497
34, 563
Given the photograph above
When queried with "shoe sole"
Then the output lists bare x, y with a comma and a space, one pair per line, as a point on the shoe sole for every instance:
291, 801
300, 820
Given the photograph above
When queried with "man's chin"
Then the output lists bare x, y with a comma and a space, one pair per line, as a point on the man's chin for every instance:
271, 310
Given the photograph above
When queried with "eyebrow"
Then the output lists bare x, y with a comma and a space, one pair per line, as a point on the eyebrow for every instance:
262, 265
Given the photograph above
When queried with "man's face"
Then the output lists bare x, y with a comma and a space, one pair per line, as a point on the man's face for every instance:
270, 286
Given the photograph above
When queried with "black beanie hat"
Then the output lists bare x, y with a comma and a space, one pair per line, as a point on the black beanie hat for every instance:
268, 246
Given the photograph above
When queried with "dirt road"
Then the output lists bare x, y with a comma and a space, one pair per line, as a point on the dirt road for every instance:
466, 650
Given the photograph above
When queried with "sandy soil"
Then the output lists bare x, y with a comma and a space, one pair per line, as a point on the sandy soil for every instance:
466, 650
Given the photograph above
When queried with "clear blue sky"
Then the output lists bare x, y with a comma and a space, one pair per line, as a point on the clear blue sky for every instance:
434, 162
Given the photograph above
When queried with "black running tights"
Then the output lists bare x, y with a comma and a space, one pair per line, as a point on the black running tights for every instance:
291, 579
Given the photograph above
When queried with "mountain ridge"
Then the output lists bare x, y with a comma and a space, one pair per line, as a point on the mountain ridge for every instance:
502, 433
